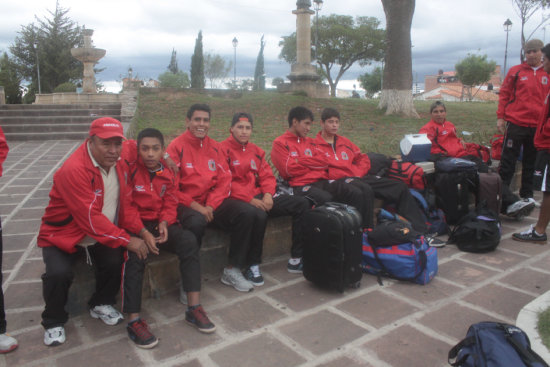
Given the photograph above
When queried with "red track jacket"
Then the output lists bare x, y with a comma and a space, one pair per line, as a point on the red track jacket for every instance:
542, 136
155, 199
345, 159
4, 149
251, 174
204, 176
76, 200
298, 160
444, 139
522, 94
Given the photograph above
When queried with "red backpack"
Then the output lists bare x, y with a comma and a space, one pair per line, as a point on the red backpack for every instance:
409, 173
496, 146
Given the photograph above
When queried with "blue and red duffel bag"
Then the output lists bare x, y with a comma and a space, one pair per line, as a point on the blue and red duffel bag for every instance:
394, 250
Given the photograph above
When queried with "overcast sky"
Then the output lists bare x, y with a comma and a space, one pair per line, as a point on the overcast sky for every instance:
142, 33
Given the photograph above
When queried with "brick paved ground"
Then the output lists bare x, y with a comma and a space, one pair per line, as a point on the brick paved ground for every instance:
287, 322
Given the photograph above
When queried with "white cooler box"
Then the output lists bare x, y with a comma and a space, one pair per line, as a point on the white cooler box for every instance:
415, 148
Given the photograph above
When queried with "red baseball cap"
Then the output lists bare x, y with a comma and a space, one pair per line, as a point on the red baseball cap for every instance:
107, 127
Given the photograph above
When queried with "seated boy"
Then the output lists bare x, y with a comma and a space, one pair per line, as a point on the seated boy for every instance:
153, 191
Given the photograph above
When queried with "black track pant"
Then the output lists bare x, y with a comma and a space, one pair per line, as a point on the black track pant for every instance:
180, 242
59, 275
2, 310
515, 137
294, 206
245, 223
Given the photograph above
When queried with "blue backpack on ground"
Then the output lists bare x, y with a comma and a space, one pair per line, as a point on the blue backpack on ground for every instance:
433, 217
395, 250
493, 344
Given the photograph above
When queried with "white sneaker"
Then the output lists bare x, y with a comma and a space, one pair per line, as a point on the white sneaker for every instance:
235, 278
7, 343
537, 204
54, 336
183, 295
107, 314
520, 208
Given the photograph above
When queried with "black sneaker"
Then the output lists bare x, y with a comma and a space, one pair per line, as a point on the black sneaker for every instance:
139, 333
198, 318
435, 242
530, 236
295, 269
253, 275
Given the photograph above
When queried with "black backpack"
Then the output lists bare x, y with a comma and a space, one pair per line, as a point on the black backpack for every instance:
493, 344
477, 231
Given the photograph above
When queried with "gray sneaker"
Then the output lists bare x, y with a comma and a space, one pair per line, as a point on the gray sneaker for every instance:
520, 209
235, 278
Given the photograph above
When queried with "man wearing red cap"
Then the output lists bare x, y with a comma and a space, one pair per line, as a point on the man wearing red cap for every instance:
88, 207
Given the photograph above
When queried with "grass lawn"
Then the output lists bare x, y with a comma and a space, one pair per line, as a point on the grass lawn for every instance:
361, 121
544, 327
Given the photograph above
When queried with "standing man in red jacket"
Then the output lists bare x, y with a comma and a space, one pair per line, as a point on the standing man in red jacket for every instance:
537, 233
204, 185
88, 209
253, 183
7, 343
520, 105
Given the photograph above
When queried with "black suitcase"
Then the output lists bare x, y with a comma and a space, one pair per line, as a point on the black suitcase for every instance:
490, 191
332, 246
452, 193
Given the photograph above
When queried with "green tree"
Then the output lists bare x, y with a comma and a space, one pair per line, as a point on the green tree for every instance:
173, 66
525, 9
10, 79
371, 82
259, 71
343, 41
49, 44
277, 81
197, 65
177, 80
472, 71
215, 68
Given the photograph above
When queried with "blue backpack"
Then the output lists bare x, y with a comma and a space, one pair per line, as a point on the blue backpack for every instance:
493, 344
433, 217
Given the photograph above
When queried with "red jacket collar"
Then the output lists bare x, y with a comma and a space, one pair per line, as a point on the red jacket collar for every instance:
234, 144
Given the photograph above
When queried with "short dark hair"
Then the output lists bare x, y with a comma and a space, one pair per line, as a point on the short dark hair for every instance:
150, 132
437, 104
299, 113
240, 115
546, 50
198, 107
328, 113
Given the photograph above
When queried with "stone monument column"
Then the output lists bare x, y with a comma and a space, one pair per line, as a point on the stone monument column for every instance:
89, 56
303, 70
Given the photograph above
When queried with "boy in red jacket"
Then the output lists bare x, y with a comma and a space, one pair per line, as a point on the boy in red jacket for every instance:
204, 185
7, 343
154, 195
253, 182
88, 209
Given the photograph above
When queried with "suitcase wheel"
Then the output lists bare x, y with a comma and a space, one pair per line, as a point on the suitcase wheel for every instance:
355, 285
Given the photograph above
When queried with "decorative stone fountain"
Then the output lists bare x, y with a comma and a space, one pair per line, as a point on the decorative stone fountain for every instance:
89, 56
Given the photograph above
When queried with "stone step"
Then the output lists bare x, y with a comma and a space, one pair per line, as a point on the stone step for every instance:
59, 106
44, 128
60, 112
18, 120
22, 136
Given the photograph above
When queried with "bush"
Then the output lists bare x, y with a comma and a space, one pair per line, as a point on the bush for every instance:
67, 87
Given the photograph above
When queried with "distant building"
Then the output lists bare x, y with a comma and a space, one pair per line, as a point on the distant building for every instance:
446, 86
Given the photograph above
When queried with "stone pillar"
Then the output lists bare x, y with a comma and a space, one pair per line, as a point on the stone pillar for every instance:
89, 56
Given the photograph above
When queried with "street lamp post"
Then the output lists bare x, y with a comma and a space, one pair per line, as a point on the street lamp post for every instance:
318, 6
235, 43
507, 27
38, 68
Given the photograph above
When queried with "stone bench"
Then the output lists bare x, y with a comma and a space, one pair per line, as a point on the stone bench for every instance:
162, 271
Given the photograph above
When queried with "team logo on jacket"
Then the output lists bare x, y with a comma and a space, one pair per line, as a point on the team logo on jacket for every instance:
524, 78
293, 154
509, 143
253, 164
188, 165
345, 156
308, 152
537, 173
139, 188
306, 188
236, 162
544, 80
444, 132
162, 190
211, 165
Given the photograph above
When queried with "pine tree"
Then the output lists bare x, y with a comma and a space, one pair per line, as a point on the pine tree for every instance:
259, 72
173, 67
197, 65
